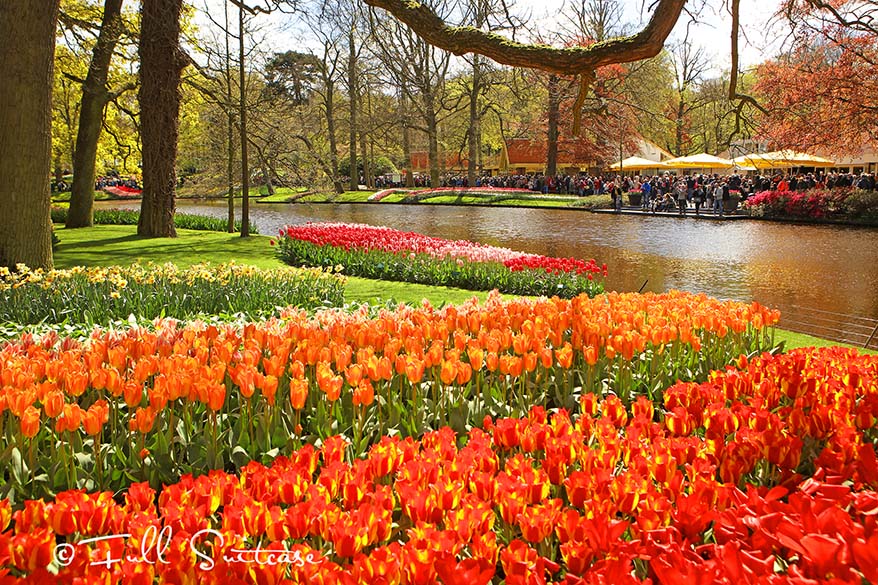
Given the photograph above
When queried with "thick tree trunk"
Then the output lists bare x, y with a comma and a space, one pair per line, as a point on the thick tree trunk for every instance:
554, 117
406, 141
352, 91
91, 117
330, 129
161, 63
242, 116
432, 137
433, 150
473, 132
27, 47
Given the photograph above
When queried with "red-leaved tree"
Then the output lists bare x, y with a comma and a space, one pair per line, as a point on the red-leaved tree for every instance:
823, 93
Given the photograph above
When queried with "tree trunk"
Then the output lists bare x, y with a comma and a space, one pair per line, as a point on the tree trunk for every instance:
329, 104
59, 172
242, 115
266, 175
406, 141
352, 91
367, 169
91, 118
230, 128
678, 144
27, 47
432, 138
473, 132
161, 63
433, 151
554, 117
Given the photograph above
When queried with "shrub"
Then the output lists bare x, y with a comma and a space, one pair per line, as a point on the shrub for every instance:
185, 221
814, 204
594, 202
861, 204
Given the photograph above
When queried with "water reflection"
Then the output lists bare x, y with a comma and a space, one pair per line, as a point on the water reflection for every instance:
823, 267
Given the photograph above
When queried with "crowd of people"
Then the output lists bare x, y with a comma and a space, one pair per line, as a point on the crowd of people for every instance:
669, 191
583, 184
830, 180
704, 191
116, 181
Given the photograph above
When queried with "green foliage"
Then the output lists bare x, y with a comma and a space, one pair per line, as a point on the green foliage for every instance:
594, 202
101, 295
186, 221
861, 204
380, 166
425, 269
292, 76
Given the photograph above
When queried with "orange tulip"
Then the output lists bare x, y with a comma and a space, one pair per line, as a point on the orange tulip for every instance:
298, 393
30, 422
69, 419
143, 420
364, 393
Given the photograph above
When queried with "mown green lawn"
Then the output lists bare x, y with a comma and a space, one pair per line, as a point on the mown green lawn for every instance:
331, 197
107, 245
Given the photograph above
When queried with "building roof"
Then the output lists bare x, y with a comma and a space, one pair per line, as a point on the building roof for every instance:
522, 151
420, 161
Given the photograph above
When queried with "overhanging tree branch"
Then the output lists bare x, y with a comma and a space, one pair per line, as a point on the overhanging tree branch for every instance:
563, 61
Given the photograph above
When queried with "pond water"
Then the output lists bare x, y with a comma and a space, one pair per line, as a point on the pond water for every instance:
796, 268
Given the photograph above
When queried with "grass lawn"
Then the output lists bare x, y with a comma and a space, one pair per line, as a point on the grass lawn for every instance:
281, 194
63, 199
107, 245
792, 340
440, 198
504, 200
332, 197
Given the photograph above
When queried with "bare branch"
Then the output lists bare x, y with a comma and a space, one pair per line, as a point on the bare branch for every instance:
733, 79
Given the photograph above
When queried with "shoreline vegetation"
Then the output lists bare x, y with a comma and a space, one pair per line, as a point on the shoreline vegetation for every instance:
108, 245
799, 208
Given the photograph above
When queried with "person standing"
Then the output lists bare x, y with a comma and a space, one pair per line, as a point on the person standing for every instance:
718, 199
615, 190
646, 190
681, 191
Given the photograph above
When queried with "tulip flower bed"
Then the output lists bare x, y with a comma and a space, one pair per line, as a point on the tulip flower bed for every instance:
156, 404
388, 254
766, 473
100, 295
124, 192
